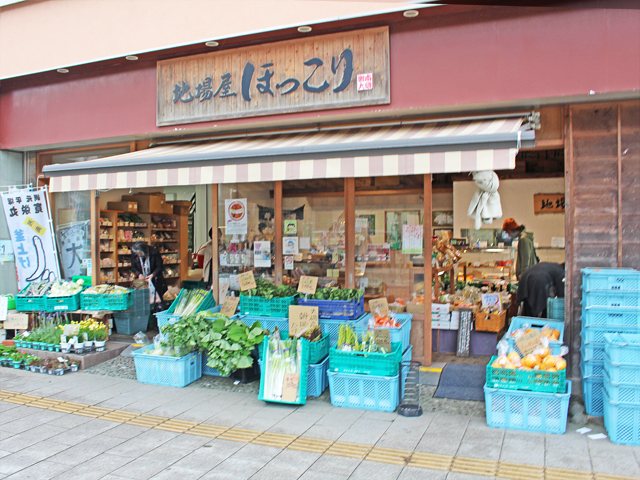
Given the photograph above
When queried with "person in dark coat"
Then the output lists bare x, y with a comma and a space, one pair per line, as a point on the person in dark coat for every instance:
147, 263
527, 255
537, 284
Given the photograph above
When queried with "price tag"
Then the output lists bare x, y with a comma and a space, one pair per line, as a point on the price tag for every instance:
246, 281
382, 337
302, 319
333, 272
17, 321
528, 342
491, 301
4, 308
290, 387
379, 306
288, 263
308, 285
61, 307
229, 306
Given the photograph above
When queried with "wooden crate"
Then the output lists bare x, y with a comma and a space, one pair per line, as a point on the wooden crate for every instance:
490, 322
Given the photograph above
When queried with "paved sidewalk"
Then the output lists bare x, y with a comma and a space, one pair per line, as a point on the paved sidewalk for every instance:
91, 427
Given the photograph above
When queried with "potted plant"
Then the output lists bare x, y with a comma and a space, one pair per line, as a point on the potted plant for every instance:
100, 337
35, 364
16, 359
78, 347
74, 365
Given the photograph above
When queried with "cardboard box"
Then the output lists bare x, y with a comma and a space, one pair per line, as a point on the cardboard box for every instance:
490, 322
180, 207
440, 308
438, 325
455, 320
123, 206
150, 202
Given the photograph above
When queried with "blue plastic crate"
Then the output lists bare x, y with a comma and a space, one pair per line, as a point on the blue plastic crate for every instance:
335, 309
592, 368
622, 421
592, 352
165, 370
166, 318
398, 335
209, 371
611, 299
533, 322
531, 411
623, 348
317, 381
621, 393
618, 373
555, 308
332, 327
593, 390
406, 357
267, 323
613, 279
613, 319
367, 392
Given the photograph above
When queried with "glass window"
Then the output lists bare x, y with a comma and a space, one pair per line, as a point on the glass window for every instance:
314, 230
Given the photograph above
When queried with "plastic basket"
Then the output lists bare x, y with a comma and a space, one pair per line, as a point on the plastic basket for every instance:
592, 352
595, 335
531, 380
621, 393
593, 390
623, 348
29, 304
302, 382
531, 411
622, 421
168, 371
533, 322
406, 357
555, 308
168, 317
132, 324
382, 364
260, 306
625, 374
335, 309
616, 279
400, 335
98, 301
611, 299
490, 322
62, 304
317, 381
612, 318
592, 368
366, 392
267, 323
332, 327
136, 318
318, 350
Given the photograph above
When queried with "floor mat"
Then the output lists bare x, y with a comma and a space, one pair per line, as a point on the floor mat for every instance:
461, 382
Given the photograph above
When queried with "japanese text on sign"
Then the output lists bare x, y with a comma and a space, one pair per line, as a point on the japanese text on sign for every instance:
548, 203
308, 285
246, 281
350, 68
382, 338
302, 319
229, 306
379, 306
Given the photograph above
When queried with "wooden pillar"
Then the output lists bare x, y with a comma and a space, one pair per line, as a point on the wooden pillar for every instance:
427, 233
619, 189
350, 232
569, 249
94, 225
215, 240
278, 223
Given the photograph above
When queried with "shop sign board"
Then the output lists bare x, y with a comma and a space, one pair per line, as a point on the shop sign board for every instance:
6, 251
75, 248
412, 239
29, 223
548, 203
235, 214
302, 319
338, 70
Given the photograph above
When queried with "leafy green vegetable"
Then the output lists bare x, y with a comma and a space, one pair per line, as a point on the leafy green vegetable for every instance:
334, 293
268, 290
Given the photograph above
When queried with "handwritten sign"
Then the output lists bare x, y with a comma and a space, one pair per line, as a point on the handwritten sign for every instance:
379, 306
17, 321
290, 387
288, 263
528, 342
382, 337
246, 281
308, 285
548, 203
491, 301
229, 306
302, 319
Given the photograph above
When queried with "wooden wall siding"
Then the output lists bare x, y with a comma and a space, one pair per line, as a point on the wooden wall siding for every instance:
603, 195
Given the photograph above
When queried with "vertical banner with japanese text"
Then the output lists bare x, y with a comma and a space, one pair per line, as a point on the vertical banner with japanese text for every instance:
29, 223
75, 247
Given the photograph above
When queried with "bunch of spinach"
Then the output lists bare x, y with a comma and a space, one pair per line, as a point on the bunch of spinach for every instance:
268, 290
334, 293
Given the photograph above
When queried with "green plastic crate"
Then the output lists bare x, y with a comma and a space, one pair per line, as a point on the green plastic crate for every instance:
266, 307
62, 304
317, 350
85, 278
365, 363
11, 302
30, 304
531, 380
98, 301
304, 371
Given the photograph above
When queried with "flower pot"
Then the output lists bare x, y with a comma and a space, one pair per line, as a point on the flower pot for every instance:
100, 345
78, 348
44, 370
58, 371
50, 371
34, 368
65, 347
17, 343
51, 347
75, 368
26, 344
16, 364
88, 345
56, 348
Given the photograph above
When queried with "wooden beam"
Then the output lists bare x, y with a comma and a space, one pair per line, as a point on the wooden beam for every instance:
350, 232
94, 225
215, 240
278, 223
427, 232
619, 166
569, 220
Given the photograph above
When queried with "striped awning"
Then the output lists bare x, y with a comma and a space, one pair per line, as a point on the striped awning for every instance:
445, 147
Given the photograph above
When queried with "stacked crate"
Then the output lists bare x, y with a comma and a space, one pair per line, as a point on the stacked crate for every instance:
610, 304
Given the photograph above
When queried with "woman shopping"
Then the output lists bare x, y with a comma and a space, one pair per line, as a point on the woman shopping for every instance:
146, 262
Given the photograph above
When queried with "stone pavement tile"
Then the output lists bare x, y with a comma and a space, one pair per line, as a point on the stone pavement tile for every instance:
289, 464
404, 433
466, 476
232, 415
34, 420
126, 431
567, 451
208, 456
613, 459
19, 461
365, 430
20, 411
266, 417
413, 473
87, 450
186, 441
6, 406
259, 453
315, 475
151, 463
335, 465
143, 443
4, 453
481, 441
326, 432
84, 431
4, 435
46, 449
40, 471
96, 468
234, 469
30, 437
380, 471
444, 434
69, 421
296, 423
522, 447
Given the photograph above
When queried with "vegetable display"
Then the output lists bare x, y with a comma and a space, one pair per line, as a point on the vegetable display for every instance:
350, 341
268, 290
106, 290
283, 358
61, 288
386, 321
334, 293
36, 289
189, 301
